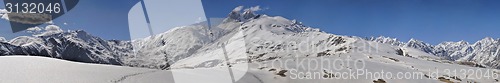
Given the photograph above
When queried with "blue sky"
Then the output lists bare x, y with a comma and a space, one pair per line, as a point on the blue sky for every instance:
432, 21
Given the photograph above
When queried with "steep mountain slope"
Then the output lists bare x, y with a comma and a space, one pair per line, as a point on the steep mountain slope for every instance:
276, 45
454, 50
483, 52
75, 46
417, 44
161, 50
259, 39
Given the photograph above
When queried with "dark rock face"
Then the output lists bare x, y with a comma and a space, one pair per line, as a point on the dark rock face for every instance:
74, 46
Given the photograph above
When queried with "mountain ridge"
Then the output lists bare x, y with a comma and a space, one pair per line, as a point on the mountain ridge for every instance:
484, 51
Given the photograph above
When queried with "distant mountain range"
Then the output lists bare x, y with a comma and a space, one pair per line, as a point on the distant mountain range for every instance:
485, 51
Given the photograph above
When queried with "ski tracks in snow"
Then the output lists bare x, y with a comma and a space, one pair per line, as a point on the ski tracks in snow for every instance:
132, 75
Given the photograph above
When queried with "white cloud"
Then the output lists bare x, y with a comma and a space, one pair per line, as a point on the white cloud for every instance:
50, 22
200, 19
255, 8
34, 29
238, 9
65, 23
2, 39
53, 28
3, 11
50, 30
3, 14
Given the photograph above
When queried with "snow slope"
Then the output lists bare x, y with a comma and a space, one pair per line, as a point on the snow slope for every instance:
33, 69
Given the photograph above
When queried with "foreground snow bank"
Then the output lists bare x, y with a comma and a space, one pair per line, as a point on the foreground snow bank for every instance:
30, 69
33, 69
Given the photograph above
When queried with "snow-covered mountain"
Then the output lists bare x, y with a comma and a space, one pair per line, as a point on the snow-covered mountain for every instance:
74, 45
260, 38
387, 40
453, 50
183, 42
271, 47
484, 52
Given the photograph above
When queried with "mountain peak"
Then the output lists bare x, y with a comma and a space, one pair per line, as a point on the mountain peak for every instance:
248, 14
455, 45
414, 43
233, 16
81, 32
487, 39
413, 40
387, 40
238, 16
463, 42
